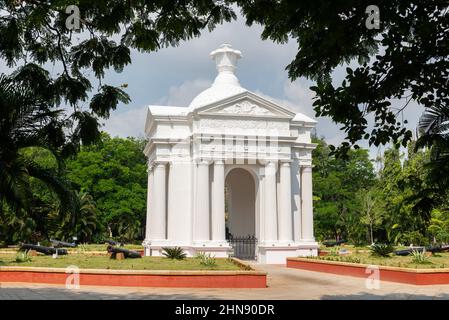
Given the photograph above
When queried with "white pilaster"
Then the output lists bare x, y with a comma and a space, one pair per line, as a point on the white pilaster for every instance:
296, 199
158, 217
179, 219
307, 204
202, 221
149, 203
285, 213
270, 202
218, 203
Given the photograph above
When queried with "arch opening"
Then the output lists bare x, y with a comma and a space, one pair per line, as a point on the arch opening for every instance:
240, 196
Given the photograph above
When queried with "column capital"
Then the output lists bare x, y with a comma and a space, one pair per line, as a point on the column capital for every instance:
267, 162
307, 168
157, 164
203, 161
286, 163
219, 162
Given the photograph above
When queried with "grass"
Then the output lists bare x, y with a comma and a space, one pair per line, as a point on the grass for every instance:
440, 260
84, 261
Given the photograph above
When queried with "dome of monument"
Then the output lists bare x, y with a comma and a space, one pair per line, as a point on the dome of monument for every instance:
226, 83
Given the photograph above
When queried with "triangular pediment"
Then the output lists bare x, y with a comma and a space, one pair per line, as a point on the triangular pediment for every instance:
247, 105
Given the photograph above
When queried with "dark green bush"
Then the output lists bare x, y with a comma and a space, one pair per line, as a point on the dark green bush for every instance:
176, 253
381, 250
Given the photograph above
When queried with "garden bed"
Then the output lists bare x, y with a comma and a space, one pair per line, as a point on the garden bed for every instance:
145, 272
416, 276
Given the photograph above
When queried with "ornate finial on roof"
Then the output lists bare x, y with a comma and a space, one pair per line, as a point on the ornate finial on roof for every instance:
226, 60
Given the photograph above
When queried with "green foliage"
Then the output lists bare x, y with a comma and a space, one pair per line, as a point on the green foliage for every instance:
333, 252
439, 225
114, 173
335, 182
34, 36
414, 237
381, 250
200, 255
419, 257
175, 253
23, 256
208, 260
82, 224
433, 127
405, 58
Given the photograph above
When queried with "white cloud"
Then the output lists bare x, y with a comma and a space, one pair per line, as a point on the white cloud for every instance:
300, 96
130, 123
182, 95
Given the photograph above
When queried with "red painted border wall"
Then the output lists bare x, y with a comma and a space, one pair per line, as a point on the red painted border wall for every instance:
386, 274
147, 280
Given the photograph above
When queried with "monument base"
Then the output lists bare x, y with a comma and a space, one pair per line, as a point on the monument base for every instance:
278, 254
217, 250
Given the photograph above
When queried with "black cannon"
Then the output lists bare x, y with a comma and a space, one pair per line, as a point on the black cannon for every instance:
114, 243
43, 249
62, 244
435, 249
432, 249
333, 243
406, 252
126, 253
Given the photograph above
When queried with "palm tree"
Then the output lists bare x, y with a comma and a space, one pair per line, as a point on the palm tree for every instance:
27, 119
434, 134
82, 223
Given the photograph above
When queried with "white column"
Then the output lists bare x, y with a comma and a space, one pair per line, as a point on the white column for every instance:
270, 202
307, 204
172, 219
202, 221
285, 213
296, 199
218, 203
158, 217
149, 204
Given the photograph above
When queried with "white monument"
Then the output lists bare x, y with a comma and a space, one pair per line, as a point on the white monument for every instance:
231, 165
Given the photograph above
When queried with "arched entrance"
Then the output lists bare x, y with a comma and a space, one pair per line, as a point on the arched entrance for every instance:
240, 190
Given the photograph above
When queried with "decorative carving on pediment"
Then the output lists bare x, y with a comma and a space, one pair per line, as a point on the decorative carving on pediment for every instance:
245, 108
241, 124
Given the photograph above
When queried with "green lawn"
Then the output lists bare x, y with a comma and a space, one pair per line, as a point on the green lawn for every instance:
90, 247
439, 260
84, 261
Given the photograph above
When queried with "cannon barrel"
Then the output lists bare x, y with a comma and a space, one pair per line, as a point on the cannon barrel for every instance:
333, 243
127, 253
62, 244
43, 249
407, 252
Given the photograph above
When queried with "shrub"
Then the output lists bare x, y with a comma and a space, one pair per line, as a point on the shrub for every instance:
23, 256
334, 251
381, 250
82, 248
415, 238
208, 260
200, 255
420, 257
176, 253
352, 259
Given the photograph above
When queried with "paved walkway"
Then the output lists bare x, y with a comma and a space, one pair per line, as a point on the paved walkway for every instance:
283, 284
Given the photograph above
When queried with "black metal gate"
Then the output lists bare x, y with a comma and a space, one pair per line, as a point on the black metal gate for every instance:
244, 247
